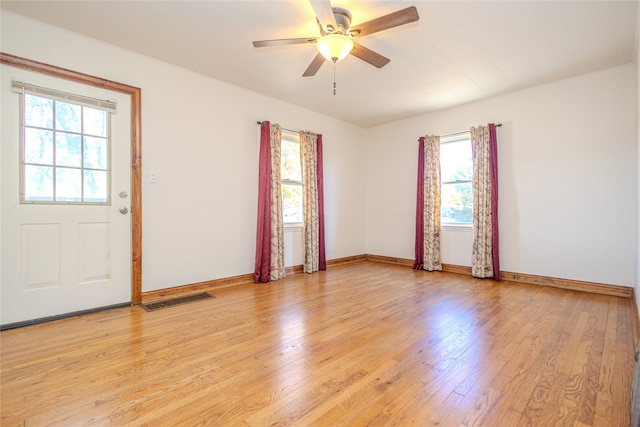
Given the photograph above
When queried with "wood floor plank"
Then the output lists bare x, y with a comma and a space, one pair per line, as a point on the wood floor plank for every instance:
534, 395
361, 344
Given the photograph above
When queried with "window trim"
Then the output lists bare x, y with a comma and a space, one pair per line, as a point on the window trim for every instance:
460, 136
293, 137
83, 102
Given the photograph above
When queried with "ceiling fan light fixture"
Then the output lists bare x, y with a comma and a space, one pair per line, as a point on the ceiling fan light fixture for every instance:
335, 47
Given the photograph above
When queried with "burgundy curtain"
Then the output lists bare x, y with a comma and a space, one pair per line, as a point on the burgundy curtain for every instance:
322, 262
418, 263
263, 238
493, 164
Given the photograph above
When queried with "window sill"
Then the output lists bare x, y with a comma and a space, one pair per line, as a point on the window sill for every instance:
457, 227
293, 226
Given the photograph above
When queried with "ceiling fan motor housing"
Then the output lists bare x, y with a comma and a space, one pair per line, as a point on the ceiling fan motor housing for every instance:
343, 20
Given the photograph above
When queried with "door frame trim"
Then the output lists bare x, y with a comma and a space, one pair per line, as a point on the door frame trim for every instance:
136, 150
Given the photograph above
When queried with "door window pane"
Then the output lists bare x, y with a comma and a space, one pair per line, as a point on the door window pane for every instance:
38, 111
95, 152
38, 183
38, 146
68, 149
95, 122
65, 152
95, 186
68, 117
68, 185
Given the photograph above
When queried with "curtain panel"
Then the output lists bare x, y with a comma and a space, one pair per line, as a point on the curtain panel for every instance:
418, 262
310, 151
269, 263
263, 234
322, 261
277, 222
485, 259
428, 197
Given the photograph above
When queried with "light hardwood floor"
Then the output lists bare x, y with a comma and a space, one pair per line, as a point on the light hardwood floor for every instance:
362, 344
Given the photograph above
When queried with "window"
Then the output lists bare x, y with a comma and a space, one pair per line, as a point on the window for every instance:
291, 176
456, 166
64, 153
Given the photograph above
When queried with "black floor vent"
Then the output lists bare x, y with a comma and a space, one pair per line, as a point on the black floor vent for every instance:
153, 306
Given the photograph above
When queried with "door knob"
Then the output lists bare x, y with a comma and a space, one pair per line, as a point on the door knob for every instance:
123, 210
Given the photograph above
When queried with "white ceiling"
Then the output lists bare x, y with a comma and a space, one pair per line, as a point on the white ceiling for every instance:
459, 51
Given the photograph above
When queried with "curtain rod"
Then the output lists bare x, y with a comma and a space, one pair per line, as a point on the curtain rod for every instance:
460, 133
444, 136
288, 130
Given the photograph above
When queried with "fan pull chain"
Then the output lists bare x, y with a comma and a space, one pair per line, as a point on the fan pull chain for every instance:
334, 77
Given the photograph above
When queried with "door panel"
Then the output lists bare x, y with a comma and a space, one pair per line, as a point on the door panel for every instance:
94, 252
40, 256
57, 259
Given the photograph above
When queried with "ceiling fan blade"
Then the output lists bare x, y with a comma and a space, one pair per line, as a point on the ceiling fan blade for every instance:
321, 28
385, 22
367, 55
315, 65
283, 42
324, 12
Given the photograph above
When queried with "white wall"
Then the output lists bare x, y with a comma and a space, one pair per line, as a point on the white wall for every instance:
201, 138
567, 178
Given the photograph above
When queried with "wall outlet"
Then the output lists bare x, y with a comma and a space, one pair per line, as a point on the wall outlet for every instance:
153, 176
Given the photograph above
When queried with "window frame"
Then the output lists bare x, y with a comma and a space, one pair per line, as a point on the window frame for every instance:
457, 137
292, 137
25, 89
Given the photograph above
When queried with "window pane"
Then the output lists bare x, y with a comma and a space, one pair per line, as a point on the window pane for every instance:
290, 158
457, 203
292, 203
455, 161
68, 150
38, 183
38, 146
95, 153
38, 111
68, 185
68, 117
95, 122
65, 153
95, 186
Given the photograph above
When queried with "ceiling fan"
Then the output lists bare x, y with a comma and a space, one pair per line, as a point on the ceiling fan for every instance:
337, 36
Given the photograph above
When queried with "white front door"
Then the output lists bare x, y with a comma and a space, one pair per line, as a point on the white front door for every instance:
59, 258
